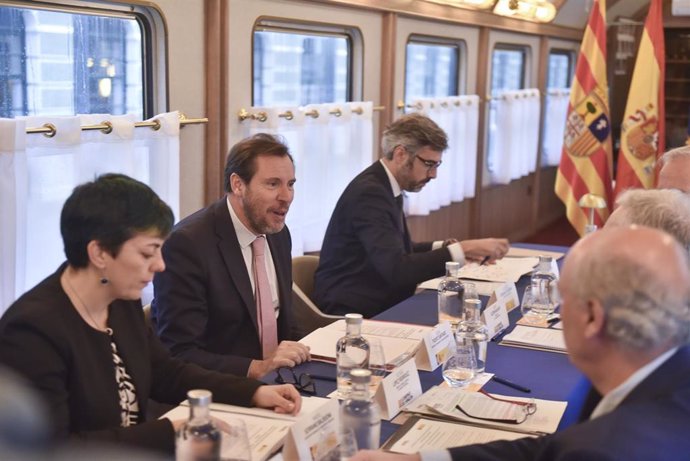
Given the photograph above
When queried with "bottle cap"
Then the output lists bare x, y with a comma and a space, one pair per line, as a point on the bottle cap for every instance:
360, 376
353, 319
452, 265
545, 258
199, 397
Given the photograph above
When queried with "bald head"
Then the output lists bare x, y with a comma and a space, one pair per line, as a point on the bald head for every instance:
675, 169
665, 209
641, 278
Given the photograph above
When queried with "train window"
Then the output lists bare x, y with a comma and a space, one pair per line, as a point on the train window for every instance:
508, 63
65, 61
431, 68
560, 69
507, 69
559, 78
298, 64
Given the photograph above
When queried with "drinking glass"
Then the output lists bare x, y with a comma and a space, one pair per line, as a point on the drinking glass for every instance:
460, 368
235, 441
535, 305
377, 363
470, 291
335, 447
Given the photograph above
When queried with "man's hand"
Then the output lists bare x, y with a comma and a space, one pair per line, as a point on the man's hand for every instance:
477, 250
283, 399
288, 354
375, 455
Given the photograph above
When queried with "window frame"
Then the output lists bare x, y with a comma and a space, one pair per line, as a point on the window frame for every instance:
570, 54
524, 49
459, 44
149, 17
353, 35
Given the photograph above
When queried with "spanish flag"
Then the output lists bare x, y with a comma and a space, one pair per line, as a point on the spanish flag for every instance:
643, 127
586, 161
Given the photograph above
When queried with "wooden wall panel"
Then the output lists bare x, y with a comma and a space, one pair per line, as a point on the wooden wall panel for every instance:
549, 207
450, 221
506, 210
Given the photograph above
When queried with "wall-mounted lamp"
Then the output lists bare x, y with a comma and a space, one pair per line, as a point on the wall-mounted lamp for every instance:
530, 10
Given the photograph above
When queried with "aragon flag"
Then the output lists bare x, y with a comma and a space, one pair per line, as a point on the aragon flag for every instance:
643, 128
586, 160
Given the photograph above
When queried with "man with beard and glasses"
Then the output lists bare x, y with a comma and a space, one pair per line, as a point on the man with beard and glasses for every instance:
368, 260
224, 299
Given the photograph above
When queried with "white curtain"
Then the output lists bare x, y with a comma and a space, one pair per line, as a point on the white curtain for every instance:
556, 109
513, 135
456, 178
39, 173
331, 144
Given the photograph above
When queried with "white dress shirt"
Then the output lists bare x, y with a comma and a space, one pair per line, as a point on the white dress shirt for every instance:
455, 249
245, 237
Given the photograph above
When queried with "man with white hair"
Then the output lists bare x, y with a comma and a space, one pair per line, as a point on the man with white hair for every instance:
675, 169
626, 320
665, 209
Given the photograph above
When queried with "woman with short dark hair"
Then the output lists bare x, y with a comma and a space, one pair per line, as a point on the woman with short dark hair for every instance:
80, 335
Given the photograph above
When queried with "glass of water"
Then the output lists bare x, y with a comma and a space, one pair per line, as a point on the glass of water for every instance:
535, 304
460, 368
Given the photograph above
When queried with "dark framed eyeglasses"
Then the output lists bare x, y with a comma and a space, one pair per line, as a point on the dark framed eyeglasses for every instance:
523, 410
302, 382
429, 164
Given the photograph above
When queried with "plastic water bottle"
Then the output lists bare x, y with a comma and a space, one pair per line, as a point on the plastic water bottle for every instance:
543, 284
473, 333
450, 294
198, 439
360, 414
352, 351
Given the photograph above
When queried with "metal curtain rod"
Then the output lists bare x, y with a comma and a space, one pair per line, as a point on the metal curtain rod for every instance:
49, 130
402, 106
262, 116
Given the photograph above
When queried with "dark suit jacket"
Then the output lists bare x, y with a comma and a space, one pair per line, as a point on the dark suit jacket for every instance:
71, 364
204, 309
365, 266
650, 424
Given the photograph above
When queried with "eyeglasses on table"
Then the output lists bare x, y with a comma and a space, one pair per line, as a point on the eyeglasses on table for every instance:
302, 382
525, 409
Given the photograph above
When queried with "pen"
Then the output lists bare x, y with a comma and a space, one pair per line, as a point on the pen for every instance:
554, 319
323, 377
511, 384
484, 261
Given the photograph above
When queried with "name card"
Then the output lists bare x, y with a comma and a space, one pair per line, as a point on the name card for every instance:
507, 295
496, 318
398, 389
435, 347
314, 435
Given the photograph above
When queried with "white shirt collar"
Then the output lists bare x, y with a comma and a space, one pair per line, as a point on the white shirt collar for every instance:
245, 237
611, 400
394, 183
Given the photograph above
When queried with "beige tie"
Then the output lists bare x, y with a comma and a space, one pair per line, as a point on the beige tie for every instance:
265, 315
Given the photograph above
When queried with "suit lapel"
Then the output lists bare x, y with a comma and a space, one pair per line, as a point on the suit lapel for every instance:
231, 253
669, 377
380, 174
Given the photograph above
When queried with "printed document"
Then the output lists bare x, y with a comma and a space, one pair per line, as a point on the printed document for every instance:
266, 429
429, 434
505, 270
544, 339
400, 341
441, 402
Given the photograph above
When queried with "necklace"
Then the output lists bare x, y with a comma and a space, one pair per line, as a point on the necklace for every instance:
85, 308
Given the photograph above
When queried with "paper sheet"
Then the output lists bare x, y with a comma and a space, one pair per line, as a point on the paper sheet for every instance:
266, 429
483, 288
428, 434
548, 339
505, 270
515, 252
441, 401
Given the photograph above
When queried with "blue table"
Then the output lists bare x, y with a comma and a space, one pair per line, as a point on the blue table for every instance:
549, 375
